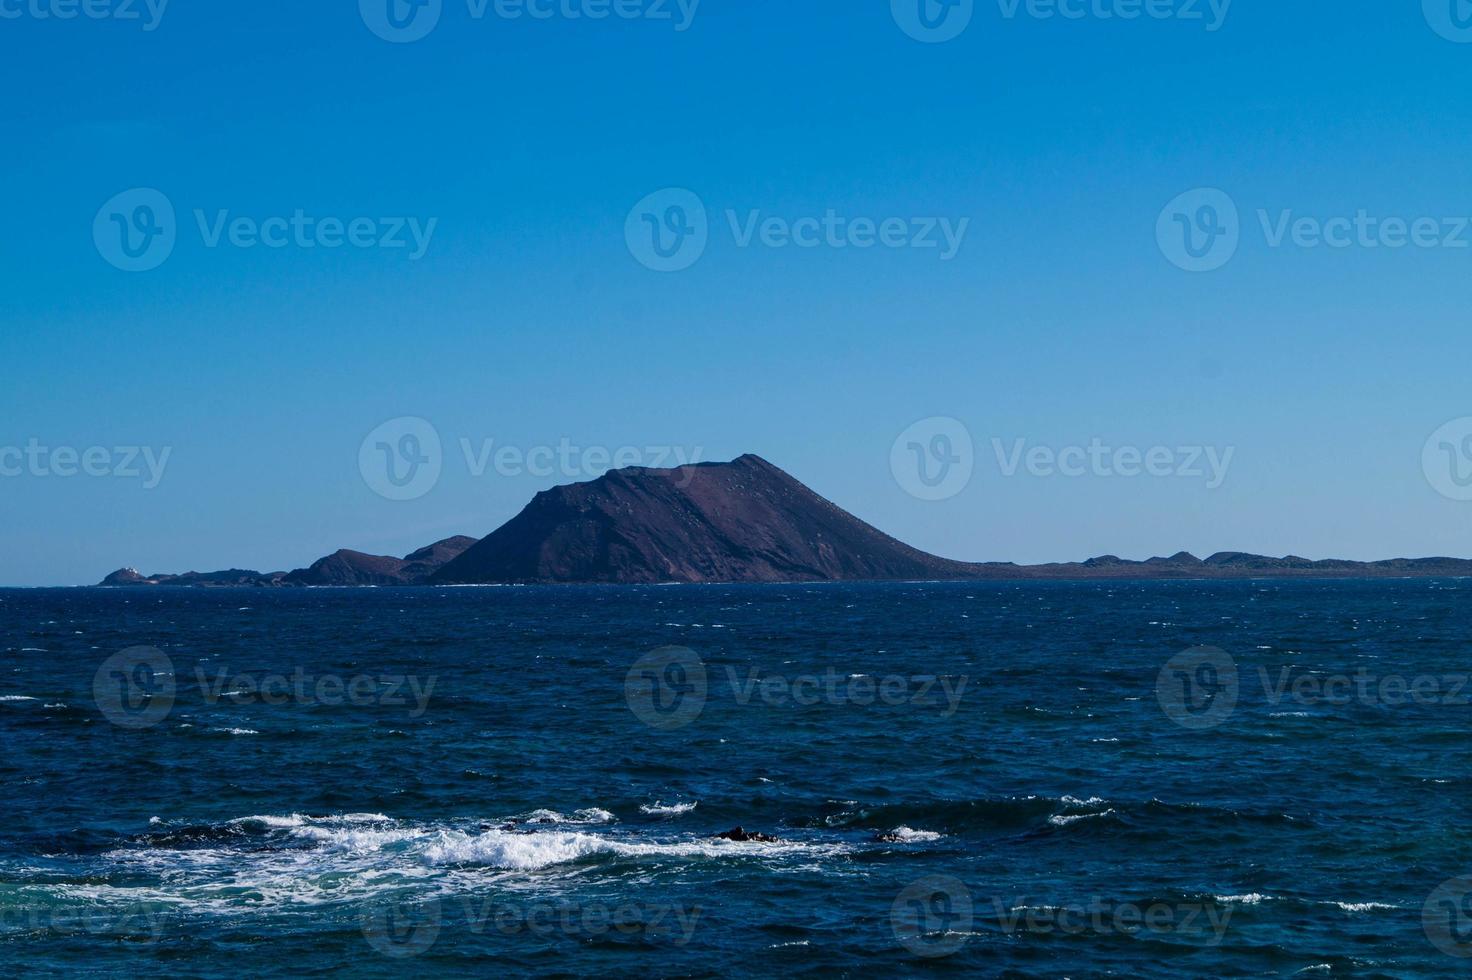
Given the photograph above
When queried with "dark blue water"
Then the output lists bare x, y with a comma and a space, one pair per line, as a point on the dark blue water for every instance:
1020, 781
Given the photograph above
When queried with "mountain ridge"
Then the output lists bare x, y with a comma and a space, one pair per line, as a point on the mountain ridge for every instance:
740, 521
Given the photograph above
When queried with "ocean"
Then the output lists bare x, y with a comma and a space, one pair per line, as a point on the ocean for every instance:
1156, 779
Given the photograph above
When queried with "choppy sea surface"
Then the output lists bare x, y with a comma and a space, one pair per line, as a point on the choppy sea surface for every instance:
1122, 779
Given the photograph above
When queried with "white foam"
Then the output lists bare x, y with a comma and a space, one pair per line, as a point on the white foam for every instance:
349, 858
532, 852
1365, 906
1251, 898
1064, 819
658, 809
9, 698
236, 731
294, 820
299, 820
911, 836
587, 815
516, 852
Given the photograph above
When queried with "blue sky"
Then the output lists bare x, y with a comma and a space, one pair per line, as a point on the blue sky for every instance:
528, 320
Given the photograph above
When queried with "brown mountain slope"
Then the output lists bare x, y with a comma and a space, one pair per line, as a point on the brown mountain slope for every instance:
743, 521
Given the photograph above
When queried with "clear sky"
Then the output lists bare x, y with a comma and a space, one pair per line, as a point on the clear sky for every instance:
1062, 317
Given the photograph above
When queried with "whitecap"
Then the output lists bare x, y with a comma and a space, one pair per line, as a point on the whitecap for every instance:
1365, 906
590, 814
1064, 819
532, 852
658, 809
909, 835
1251, 898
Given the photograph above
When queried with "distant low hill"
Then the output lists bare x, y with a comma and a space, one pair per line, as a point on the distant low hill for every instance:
341, 568
742, 521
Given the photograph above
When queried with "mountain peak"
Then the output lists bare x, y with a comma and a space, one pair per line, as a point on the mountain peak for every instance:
738, 521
